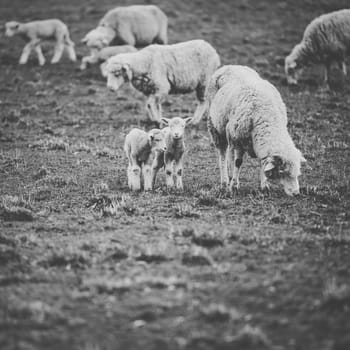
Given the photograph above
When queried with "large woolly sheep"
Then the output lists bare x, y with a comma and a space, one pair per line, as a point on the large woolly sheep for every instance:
37, 31
158, 70
103, 55
326, 40
172, 157
139, 147
137, 25
247, 114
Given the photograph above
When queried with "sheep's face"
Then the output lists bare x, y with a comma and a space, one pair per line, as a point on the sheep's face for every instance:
285, 172
11, 28
97, 38
176, 126
117, 75
156, 140
292, 67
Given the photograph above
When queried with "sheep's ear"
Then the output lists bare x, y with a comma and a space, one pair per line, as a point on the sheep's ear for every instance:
105, 42
150, 136
84, 40
127, 73
275, 167
165, 121
188, 120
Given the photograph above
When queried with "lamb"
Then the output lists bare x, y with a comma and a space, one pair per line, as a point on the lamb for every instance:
172, 157
247, 114
157, 71
137, 25
139, 147
37, 31
326, 40
103, 55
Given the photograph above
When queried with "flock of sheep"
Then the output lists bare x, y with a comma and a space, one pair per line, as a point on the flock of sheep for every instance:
245, 113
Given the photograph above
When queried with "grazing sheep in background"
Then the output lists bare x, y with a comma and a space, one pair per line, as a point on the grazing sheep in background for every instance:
172, 157
103, 55
137, 25
326, 39
139, 147
37, 31
247, 114
158, 70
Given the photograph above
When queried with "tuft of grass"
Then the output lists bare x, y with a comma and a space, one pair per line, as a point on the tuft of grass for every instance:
206, 198
185, 211
51, 144
207, 239
100, 187
14, 208
249, 338
155, 253
42, 172
219, 313
106, 152
197, 256
66, 258
335, 294
58, 181
112, 205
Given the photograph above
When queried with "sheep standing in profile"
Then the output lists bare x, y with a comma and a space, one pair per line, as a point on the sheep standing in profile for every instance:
326, 40
37, 31
137, 25
159, 70
172, 157
139, 147
103, 55
247, 114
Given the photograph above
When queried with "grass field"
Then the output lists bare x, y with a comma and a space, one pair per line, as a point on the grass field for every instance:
86, 264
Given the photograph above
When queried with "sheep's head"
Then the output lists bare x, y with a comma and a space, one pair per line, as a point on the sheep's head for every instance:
285, 171
117, 73
292, 66
11, 28
98, 38
156, 139
177, 126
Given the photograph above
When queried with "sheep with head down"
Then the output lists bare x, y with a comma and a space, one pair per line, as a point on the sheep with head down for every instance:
326, 40
247, 115
159, 70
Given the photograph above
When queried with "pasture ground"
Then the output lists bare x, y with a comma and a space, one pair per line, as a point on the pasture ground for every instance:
85, 264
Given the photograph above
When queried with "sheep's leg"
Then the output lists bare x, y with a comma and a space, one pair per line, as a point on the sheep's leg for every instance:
169, 171
103, 69
147, 176
88, 60
158, 162
71, 52
202, 105
26, 52
134, 175
178, 173
58, 52
40, 55
237, 155
342, 66
264, 184
223, 166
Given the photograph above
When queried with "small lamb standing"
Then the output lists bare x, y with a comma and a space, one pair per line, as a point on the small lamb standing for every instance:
139, 147
158, 70
172, 157
37, 31
247, 114
326, 40
137, 25
103, 55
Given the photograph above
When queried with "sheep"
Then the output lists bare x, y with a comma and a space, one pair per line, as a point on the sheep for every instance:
326, 39
139, 147
35, 32
158, 70
103, 55
247, 114
172, 157
137, 25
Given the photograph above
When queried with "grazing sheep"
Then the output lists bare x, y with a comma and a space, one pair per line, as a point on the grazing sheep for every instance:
103, 55
326, 39
137, 25
157, 71
172, 157
139, 147
36, 31
247, 114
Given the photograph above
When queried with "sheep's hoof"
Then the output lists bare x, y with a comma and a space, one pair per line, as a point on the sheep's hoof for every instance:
265, 189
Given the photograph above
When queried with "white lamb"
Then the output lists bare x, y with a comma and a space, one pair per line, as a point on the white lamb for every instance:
37, 31
139, 147
326, 40
172, 157
103, 55
137, 25
158, 70
247, 114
